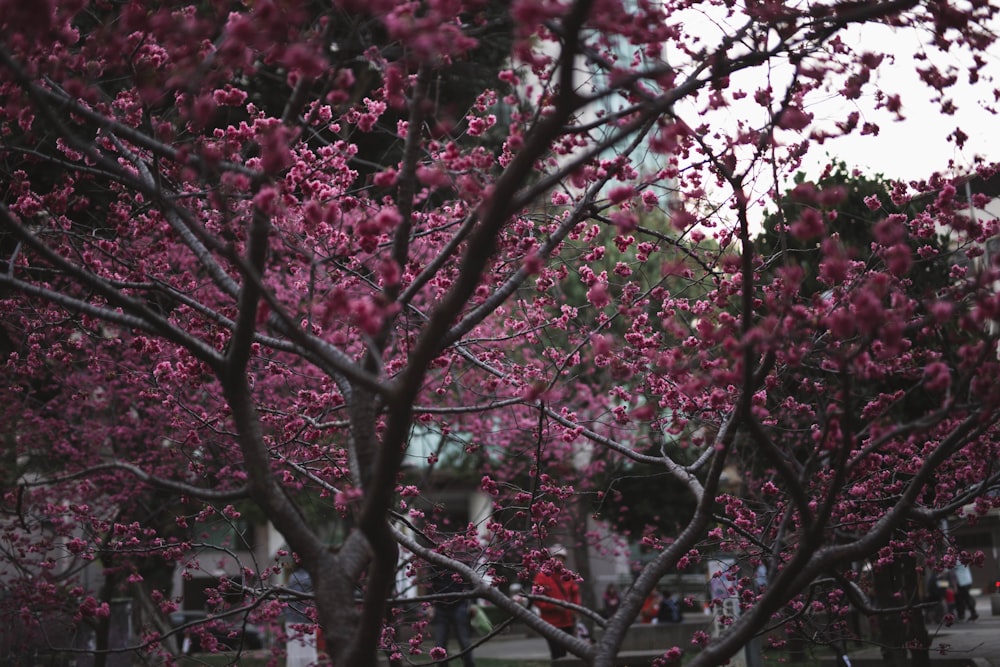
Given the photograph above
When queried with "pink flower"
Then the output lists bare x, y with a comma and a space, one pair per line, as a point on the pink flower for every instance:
794, 118
620, 194
625, 221
835, 265
267, 200
387, 219
229, 96
390, 272
899, 259
809, 225
937, 376
367, 315
385, 179
841, 323
805, 193
432, 176
533, 263
669, 139
598, 295
489, 486
832, 196
478, 126
890, 230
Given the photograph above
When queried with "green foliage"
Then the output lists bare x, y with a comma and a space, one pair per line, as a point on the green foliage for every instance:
848, 217
640, 502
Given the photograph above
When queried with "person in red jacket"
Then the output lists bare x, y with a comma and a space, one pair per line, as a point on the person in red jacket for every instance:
559, 584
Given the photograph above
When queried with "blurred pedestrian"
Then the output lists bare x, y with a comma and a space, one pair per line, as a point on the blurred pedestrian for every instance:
963, 596
670, 609
452, 613
560, 584
650, 607
949, 599
611, 601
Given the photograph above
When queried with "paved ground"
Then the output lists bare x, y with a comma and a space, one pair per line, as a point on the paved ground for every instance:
972, 639
976, 639
514, 647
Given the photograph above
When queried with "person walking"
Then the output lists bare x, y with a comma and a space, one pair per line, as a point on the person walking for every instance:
612, 600
452, 613
963, 597
650, 609
560, 584
669, 610
949, 600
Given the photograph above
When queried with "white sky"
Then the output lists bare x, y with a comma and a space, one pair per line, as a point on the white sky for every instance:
917, 146
909, 150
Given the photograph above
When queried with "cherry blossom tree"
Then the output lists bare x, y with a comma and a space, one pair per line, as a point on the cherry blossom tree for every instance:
254, 252
900, 581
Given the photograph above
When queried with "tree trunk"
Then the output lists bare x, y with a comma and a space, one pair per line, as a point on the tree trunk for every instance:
902, 634
581, 559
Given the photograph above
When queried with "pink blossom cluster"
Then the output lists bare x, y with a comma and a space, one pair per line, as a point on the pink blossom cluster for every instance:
311, 266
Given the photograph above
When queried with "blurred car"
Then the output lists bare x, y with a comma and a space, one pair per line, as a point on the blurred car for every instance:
228, 634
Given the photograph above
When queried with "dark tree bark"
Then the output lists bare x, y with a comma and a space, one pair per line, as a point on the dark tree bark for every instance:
901, 631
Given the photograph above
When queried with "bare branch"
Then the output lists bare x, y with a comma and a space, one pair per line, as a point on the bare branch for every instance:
171, 485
